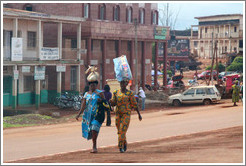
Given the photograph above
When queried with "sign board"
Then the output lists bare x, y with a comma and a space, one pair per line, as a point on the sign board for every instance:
60, 68
147, 61
16, 49
26, 69
47, 53
83, 51
94, 62
107, 61
39, 73
160, 33
16, 74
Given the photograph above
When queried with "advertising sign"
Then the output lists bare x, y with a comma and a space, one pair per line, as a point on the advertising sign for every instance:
47, 53
60, 68
160, 33
26, 69
16, 74
39, 73
16, 49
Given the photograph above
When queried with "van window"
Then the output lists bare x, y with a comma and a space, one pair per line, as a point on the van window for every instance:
190, 92
200, 91
210, 91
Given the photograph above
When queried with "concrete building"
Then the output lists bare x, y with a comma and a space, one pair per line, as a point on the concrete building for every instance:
226, 29
27, 64
107, 32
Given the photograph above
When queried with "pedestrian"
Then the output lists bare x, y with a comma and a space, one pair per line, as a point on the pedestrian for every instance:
141, 93
86, 89
181, 71
235, 92
241, 91
108, 96
124, 101
90, 122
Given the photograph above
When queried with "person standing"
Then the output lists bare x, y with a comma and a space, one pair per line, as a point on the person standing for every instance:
235, 93
124, 101
143, 97
89, 107
108, 96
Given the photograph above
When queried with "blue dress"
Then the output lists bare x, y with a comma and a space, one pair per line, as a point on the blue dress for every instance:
89, 113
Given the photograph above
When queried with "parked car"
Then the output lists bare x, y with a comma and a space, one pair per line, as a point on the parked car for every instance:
206, 75
198, 94
176, 82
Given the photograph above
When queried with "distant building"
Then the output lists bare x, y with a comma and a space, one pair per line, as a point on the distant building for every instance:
227, 29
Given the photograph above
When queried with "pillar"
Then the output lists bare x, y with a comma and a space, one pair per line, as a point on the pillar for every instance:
39, 38
165, 64
14, 82
78, 56
60, 40
88, 51
119, 48
14, 90
131, 64
143, 64
37, 94
59, 78
155, 65
104, 62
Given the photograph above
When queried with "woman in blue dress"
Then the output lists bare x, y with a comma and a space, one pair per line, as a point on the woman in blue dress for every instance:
89, 107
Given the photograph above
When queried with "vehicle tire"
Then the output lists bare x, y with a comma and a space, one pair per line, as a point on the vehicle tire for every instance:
176, 103
56, 101
207, 102
76, 106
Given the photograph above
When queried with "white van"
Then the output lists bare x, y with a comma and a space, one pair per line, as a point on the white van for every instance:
198, 94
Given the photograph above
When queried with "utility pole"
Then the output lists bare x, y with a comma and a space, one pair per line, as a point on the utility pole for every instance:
167, 14
212, 66
136, 56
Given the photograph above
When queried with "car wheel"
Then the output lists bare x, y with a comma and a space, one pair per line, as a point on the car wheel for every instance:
176, 103
207, 102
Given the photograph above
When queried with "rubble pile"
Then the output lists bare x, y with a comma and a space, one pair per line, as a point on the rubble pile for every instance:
156, 95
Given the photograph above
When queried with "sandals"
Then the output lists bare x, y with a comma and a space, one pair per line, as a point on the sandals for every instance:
94, 151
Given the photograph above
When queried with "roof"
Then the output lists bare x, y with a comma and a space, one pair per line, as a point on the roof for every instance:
9, 12
203, 86
221, 15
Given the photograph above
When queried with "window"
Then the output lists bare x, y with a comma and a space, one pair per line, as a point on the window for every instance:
141, 16
102, 12
206, 30
200, 91
210, 91
92, 45
195, 43
190, 92
201, 49
29, 83
154, 18
73, 43
235, 49
31, 39
129, 15
73, 78
116, 13
235, 29
225, 48
7, 35
116, 46
86, 10
28, 7
129, 45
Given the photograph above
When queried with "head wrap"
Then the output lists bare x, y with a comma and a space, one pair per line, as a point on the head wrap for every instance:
93, 76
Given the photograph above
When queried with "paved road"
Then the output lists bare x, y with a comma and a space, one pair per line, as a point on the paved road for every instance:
46, 140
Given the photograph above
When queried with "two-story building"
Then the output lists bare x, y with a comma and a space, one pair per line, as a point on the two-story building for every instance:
226, 30
32, 71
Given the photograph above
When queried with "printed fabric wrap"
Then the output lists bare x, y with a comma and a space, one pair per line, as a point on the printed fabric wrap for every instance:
89, 113
122, 68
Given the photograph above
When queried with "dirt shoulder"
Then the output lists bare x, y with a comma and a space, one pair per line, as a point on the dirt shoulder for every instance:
219, 146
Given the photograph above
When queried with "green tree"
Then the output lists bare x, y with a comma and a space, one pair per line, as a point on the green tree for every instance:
236, 65
221, 67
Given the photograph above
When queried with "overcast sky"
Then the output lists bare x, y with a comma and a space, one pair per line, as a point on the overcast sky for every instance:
187, 11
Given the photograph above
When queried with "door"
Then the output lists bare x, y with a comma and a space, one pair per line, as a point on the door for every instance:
200, 95
7, 90
188, 96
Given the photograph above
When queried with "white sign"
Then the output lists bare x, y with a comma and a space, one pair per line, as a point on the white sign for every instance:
39, 73
83, 51
26, 69
16, 50
107, 61
60, 68
47, 53
147, 61
16, 74
81, 62
94, 62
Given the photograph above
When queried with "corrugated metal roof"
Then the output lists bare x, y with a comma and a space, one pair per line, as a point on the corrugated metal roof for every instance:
221, 15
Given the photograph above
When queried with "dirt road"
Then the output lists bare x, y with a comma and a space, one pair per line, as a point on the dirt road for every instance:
47, 140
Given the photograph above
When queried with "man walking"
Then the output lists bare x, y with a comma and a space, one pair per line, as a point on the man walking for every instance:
141, 93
